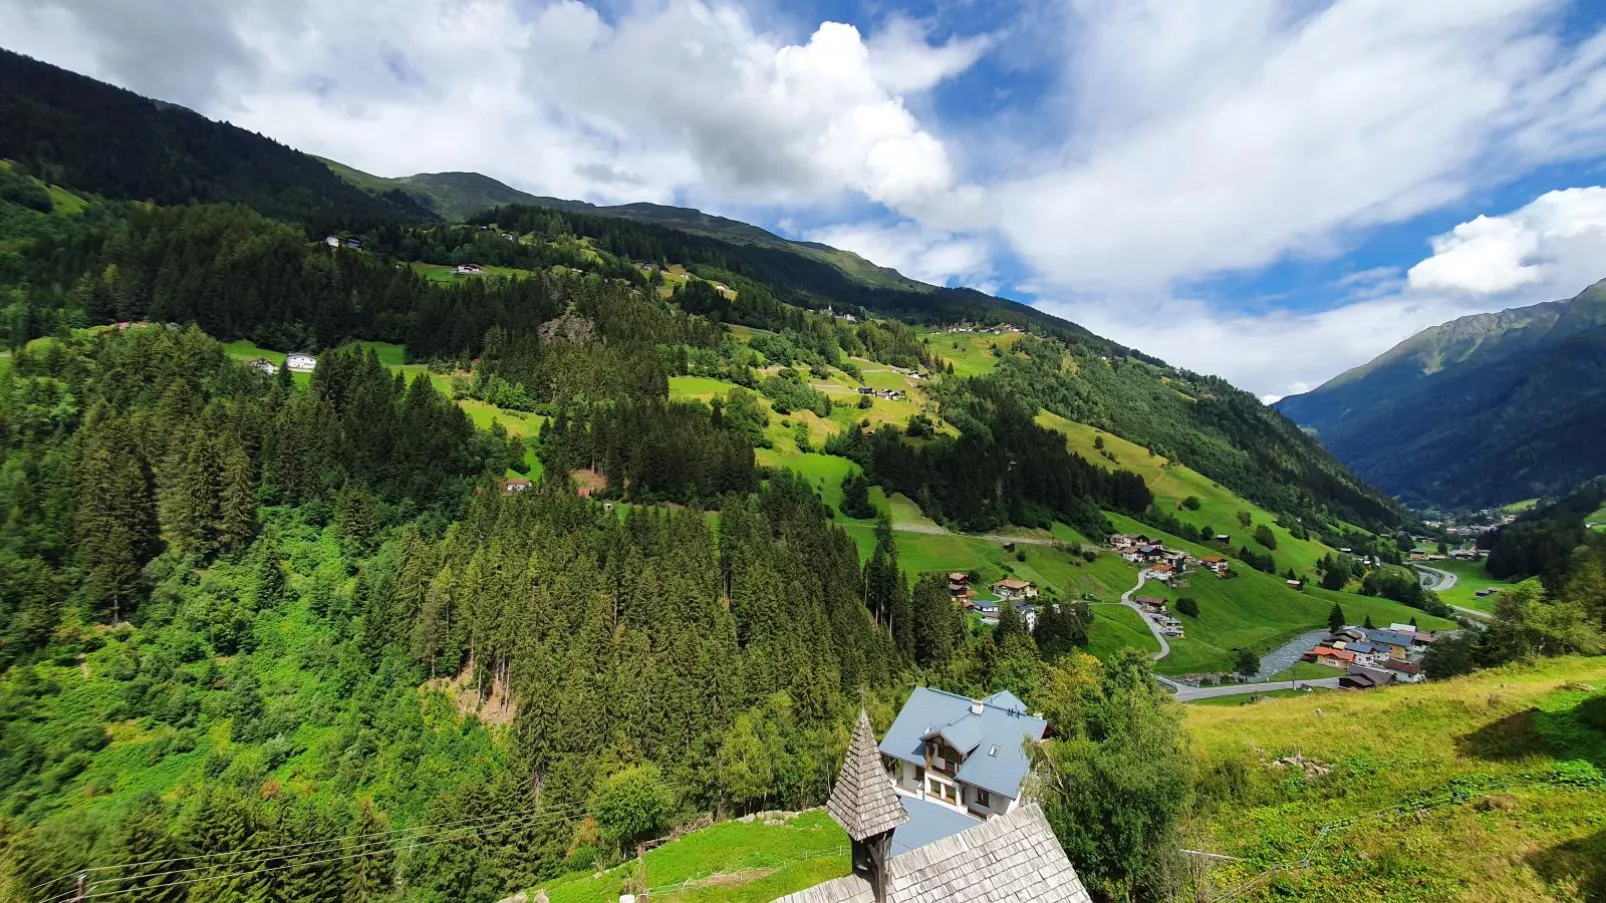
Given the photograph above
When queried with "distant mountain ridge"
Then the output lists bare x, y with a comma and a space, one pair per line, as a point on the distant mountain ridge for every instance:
1482, 410
462, 195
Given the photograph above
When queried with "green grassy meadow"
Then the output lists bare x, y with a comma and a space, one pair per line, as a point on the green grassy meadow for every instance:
973, 355
1481, 788
1470, 577
442, 273
744, 862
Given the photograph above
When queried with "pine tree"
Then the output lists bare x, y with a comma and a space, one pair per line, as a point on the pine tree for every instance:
188, 494
1335, 619
371, 871
236, 522
1368, 624
142, 837
272, 589
116, 526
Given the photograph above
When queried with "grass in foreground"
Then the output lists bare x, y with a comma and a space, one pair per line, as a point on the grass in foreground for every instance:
1484, 788
737, 861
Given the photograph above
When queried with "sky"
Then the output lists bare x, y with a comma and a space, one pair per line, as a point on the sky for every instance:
1268, 190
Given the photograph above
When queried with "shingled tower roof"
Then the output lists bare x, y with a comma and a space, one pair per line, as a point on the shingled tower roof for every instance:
863, 801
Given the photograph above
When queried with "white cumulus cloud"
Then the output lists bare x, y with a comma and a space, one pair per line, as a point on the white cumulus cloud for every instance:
1549, 249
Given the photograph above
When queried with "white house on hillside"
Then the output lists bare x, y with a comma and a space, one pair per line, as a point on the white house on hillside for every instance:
301, 362
968, 755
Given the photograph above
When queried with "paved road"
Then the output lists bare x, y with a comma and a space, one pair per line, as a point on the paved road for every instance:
1190, 694
935, 530
1440, 580
1435, 579
1126, 599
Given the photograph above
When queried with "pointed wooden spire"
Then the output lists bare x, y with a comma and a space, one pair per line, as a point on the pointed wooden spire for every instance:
863, 801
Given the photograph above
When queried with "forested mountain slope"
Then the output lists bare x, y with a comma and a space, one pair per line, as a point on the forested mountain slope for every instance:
462, 195
83, 134
1480, 411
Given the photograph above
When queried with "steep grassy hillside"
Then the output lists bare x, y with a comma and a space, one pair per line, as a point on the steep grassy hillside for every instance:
1478, 412
1173, 484
739, 861
1487, 787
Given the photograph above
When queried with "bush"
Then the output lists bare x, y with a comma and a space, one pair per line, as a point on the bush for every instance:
1188, 606
1191, 503
1592, 712
631, 805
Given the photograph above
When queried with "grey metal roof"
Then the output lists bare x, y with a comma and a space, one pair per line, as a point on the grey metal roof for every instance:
1390, 637
928, 823
963, 735
1013, 858
998, 763
1006, 700
863, 801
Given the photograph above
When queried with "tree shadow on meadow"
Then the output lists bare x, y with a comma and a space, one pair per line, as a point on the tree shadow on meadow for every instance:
1516, 736
1580, 863
1563, 735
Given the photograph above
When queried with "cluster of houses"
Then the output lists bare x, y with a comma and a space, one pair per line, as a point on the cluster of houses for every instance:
1161, 563
1016, 593
1374, 657
888, 394
845, 318
1154, 609
1000, 329
334, 241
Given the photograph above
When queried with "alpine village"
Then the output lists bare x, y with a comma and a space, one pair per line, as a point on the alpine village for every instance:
367, 542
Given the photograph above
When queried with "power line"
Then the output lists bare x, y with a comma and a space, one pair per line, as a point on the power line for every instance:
291, 846
371, 848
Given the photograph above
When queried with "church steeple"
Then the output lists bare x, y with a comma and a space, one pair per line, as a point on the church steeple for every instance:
865, 805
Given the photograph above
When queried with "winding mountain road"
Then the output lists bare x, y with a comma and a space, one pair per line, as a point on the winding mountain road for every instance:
1440, 580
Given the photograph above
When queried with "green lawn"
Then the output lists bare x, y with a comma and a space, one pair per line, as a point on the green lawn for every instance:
1470, 577
1172, 482
442, 273
824, 472
1254, 610
1306, 671
735, 861
974, 355
1116, 627
1598, 518
698, 388
1257, 698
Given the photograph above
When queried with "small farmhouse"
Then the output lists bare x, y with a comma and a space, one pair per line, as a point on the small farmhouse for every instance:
263, 365
1012, 590
467, 269
301, 362
517, 484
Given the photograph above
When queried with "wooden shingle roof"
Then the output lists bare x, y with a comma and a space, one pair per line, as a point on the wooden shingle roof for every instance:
1013, 858
863, 801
